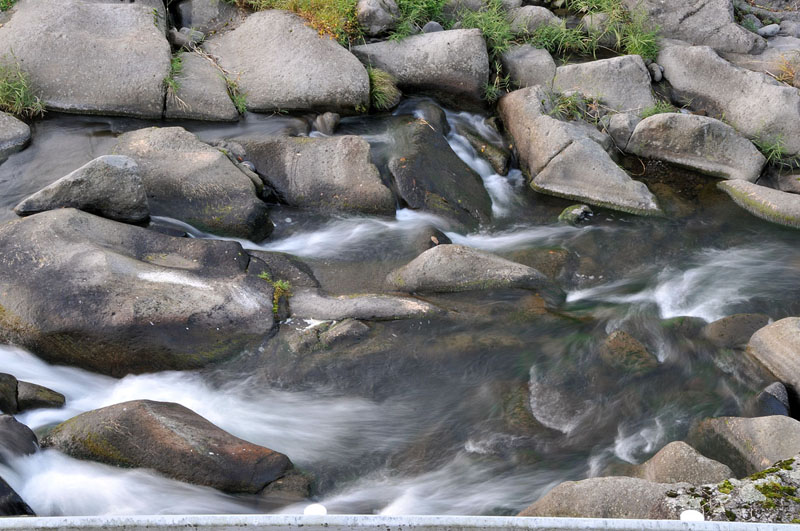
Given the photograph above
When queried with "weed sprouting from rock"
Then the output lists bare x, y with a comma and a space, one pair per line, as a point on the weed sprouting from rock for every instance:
383, 91
16, 92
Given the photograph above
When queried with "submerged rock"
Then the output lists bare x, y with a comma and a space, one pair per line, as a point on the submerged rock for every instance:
575, 214
776, 347
118, 299
109, 186
16, 439
14, 135
10, 502
312, 304
772, 205
172, 440
623, 351
734, 330
677, 462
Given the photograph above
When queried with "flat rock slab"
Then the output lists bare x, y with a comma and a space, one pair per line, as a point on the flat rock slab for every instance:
118, 299
777, 347
699, 143
313, 304
772, 205
622, 83
280, 63
14, 135
172, 440
451, 64
109, 186
90, 58
202, 92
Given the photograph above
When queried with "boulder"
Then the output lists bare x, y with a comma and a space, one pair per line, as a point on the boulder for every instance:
332, 174
8, 393
528, 66
14, 135
202, 92
527, 19
452, 65
376, 16
109, 186
621, 350
773, 400
777, 347
208, 16
621, 83
118, 299
171, 439
608, 497
33, 396
191, 181
280, 63
16, 439
700, 143
747, 445
428, 175
734, 330
754, 104
621, 127
90, 58
706, 22
10, 502
781, 58
313, 304
772, 205
677, 462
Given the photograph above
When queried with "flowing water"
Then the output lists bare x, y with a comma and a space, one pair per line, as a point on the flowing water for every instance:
431, 423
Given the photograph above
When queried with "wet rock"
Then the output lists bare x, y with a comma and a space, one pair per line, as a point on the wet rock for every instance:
621, 83
575, 214
700, 143
16, 439
33, 396
109, 186
621, 126
315, 73
202, 92
609, 497
498, 157
623, 351
347, 331
773, 400
208, 16
312, 304
530, 18
376, 16
677, 462
747, 445
710, 23
776, 347
8, 393
755, 105
529, 66
453, 65
734, 330
10, 502
172, 440
90, 58
119, 299
328, 174
326, 123
196, 183
429, 176
282, 266
292, 488
766, 203
14, 135
769, 31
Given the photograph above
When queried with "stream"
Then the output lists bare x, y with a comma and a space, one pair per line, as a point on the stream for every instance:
425, 430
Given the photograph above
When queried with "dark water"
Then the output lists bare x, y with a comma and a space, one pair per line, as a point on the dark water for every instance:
477, 412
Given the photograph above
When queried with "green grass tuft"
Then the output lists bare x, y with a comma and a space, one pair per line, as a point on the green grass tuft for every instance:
5, 5
660, 107
416, 13
383, 91
639, 38
561, 39
237, 97
175, 69
494, 25
773, 149
16, 93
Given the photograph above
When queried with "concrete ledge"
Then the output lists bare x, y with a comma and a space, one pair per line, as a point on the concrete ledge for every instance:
367, 522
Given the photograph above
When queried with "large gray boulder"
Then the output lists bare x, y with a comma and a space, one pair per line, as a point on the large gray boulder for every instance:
453, 65
118, 299
677, 462
747, 445
172, 440
109, 186
202, 92
621, 83
191, 181
90, 58
529, 66
14, 135
279, 63
333, 174
310, 303
777, 347
772, 205
754, 104
699, 143
706, 22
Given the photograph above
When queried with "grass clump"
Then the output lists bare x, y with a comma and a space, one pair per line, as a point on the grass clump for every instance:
562, 40
16, 93
494, 25
576, 107
725, 487
631, 30
774, 150
175, 69
383, 91
660, 107
281, 289
238, 98
415, 13
5, 5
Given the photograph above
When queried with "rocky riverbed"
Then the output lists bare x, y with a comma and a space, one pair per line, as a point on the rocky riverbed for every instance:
249, 261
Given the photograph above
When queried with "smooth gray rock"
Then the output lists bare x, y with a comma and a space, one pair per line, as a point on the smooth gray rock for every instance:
705, 22
329, 174
622, 83
90, 58
432, 27
772, 205
33, 396
202, 92
772, 400
109, 186
656, 74
14, 135
754, 104
171, 439
10, 502
208, 16
312, 304
376, 16
451, 64
8, 393
770, 30
326, 123
16, 439
777, 347
747, 445
191, 181
781, 58
529, 18
119, 299
529, 66
280, 63
734, 330
345, 331
700, 143
677, 462
621, 126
